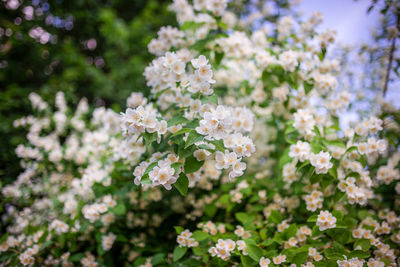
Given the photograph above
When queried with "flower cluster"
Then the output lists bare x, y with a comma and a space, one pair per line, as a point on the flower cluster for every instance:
223, 249
185, 239
137, 121
326, 220
312, 194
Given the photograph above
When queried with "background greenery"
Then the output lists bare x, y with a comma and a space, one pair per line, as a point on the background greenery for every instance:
122, 30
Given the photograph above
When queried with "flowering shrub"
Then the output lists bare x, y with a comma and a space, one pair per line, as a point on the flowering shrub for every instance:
238, 150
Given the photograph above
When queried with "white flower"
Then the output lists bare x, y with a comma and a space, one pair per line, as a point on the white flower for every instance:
178, 67
163, 174
314, 200
223, 249
264, 262
279, 259
199, 62
321, 162
241, 245
107, 241
238, 168
288, 60
353, 262
300, 151
326, 220
201, 154
221, 161
217, 7
304, 121
185, 239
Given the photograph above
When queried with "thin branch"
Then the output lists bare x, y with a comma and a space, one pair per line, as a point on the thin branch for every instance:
391, 52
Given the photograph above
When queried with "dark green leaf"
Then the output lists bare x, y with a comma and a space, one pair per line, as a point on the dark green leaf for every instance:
178, 229
359, 254
76, 257
192, 165
275, 217
158, 258
182, 184
181, 131
179, 252
218, 59
176, 120
254, 252
120, 209
200, 235
193, 137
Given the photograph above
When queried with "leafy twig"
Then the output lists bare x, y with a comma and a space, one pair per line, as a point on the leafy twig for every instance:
391, 52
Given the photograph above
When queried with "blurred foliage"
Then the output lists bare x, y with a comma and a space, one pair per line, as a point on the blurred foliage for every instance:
122, 30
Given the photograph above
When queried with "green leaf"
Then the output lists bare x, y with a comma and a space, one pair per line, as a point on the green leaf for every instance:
241, 217
334, 143
350, 222
192, 165
219, 145
177, 166
365, 244
333, 171
263, 234
320, 264
351, 149
182, 184
254, 252
290, 129
290, 231
210, 210
338, 214
145, 179
181, 131
209, 99
179, 252
275, 217
46, 244
322, 54
315, 147
246, 261
122, 238
158, 258
224, 199
342, 236
200, 235
284, 158
191, 25
179, 229
3, 238
359, 254
315, 231
149, 138
222, 25
326, 181
186, 152
363, 161
198, 251
150, 167
333, 255
176, 120
193, 137
300, 258
120, 209
362, 214
76, 257
307, 87
218, 59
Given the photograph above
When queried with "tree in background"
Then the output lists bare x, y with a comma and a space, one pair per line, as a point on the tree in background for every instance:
96, 49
